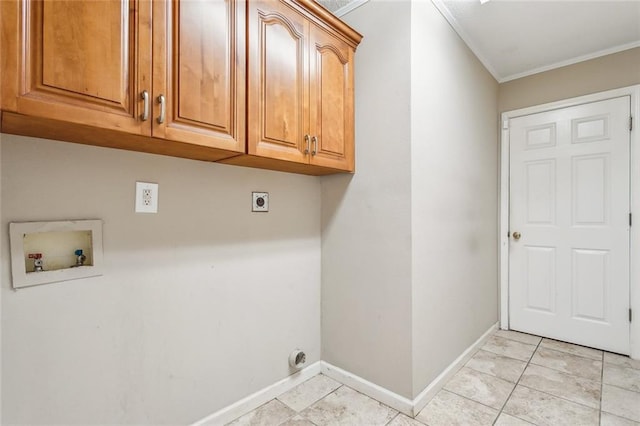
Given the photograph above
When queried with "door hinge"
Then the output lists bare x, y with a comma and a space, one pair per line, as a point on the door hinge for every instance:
630, 315
630, 219
505, 124
630, 123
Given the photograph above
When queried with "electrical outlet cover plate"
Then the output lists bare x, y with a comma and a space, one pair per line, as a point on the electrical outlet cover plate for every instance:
146, 197
260, 202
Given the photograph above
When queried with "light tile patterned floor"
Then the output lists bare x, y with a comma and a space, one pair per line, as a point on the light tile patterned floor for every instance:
514, 379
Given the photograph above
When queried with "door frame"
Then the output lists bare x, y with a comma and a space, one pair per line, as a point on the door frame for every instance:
634, 296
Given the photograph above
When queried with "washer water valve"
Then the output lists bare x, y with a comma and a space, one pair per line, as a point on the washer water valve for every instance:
38, 261
80, 258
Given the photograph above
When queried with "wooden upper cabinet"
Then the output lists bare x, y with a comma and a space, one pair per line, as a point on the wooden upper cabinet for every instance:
278, 81
300, 90
170, 69
199, 69
331, 107
264, 83
78, 61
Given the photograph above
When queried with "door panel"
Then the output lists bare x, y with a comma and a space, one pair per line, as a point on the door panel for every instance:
331, 107
98, 70
542, 136
278, 82
541, 278
204, 56
590, 190
81, 60
569, 199
281, 99
199, 53
590, 129
540, 177
590, 284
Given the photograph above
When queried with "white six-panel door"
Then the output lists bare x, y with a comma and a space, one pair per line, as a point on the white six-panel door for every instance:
569, 206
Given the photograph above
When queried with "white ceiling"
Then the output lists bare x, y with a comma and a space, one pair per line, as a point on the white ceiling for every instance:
516, 38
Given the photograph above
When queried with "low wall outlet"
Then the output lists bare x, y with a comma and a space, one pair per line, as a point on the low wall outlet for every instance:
259, 201
146, 197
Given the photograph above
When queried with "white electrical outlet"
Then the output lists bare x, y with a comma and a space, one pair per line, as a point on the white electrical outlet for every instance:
146, 197
259, 201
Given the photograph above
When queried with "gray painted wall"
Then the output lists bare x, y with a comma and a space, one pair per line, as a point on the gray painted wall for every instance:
409, 252
608, 72
199, 306
454, 165
366, 218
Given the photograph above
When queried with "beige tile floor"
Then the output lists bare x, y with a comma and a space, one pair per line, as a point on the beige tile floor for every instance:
514, 379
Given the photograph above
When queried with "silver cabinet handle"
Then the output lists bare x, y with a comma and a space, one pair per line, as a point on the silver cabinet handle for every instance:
163, 109
145, 108
315, 145
306, 140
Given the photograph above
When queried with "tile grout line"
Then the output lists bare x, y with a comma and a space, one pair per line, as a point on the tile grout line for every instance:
482, 372
366, 396
601, 390
558, 397
299, 413
617, 366
621, 417
573, 354
620, 387
517, 382
465, 366
562, 397
566, 372
563, 372
615, 386
390, 421
572, 344
469, 399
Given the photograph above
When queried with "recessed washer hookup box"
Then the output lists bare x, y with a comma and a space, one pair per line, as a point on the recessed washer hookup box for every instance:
49, 252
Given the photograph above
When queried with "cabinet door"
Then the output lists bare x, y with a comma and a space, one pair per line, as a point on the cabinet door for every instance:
278, 82
331, 100
79, 61
199, 68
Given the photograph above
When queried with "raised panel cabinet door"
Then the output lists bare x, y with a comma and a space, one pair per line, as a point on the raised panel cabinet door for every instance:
278, 82
331, 101
79, 61
199, 70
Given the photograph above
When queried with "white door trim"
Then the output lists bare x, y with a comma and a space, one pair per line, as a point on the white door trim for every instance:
634, 297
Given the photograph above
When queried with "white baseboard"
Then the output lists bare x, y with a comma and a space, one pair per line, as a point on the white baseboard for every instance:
259, 398
438, 383
399, 402
392, 399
